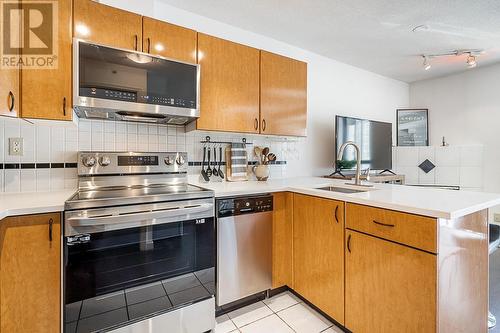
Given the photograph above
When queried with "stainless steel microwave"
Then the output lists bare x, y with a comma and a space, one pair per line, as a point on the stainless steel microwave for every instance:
117, 84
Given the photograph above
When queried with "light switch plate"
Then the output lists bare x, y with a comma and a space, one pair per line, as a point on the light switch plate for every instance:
16, 146
496, 217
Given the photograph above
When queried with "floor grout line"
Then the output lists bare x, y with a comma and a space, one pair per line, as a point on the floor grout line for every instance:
283, 320
256, 320
277, 313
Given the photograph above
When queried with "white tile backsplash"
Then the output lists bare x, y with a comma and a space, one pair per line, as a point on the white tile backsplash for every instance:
28, 180
447, 156
446, 175
426, 153
407, 156
470, 176
48, 142
471, 156
455, 165
43, 180
12, 180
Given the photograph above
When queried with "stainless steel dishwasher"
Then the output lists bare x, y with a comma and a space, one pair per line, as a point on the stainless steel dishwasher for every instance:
244, 247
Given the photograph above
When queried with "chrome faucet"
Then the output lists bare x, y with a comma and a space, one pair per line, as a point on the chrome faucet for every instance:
358, 159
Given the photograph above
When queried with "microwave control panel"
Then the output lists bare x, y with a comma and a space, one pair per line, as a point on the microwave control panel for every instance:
138, 97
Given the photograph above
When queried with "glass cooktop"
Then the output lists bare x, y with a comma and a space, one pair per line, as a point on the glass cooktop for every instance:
118, 195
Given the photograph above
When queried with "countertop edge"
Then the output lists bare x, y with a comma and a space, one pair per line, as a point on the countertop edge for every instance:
59, 198
31, 210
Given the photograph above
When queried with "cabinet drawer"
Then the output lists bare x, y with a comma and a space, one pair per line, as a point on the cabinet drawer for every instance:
412, 230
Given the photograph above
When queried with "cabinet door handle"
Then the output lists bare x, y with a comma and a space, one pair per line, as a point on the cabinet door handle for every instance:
11, 101
136, 41
51, 223
256, 124
149, 45
349, 243
337, 214
384, 224
64, 106
263, 125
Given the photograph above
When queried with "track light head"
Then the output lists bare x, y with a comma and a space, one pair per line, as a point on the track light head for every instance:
426, 64
471, 61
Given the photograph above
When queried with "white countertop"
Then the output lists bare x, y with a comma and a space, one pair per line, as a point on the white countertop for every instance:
437, 203
13, 204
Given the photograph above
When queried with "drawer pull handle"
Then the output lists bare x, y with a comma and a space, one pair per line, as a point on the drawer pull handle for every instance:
263, 125
51, 223
384, 224
337, 214
136, 42
349, 243
64, 106
256, 124
12, 101
149, 45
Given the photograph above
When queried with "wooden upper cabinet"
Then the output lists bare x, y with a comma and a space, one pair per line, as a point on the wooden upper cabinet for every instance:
9, 92
9, 86
107, 25
30, 274
318, 253
229, 86
46, 93
390, 288
168, 40
283, 95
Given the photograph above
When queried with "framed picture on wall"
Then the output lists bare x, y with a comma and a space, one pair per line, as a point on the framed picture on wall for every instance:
412, 127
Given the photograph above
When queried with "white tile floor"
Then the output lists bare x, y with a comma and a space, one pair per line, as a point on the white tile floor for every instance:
283, 313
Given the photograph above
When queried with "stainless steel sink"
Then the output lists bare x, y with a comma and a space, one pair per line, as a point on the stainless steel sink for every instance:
343, 189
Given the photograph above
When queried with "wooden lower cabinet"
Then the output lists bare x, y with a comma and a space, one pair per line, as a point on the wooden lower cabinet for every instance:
318, 253
388, 287
283, 239
30, 274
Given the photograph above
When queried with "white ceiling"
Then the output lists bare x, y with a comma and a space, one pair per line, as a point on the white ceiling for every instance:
375, 35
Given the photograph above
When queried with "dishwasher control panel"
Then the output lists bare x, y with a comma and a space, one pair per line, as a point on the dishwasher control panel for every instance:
244, 205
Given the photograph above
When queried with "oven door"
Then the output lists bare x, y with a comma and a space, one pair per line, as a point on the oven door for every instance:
115, 276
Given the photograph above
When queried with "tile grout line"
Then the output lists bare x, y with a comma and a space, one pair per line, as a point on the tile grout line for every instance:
276, 312
254, 320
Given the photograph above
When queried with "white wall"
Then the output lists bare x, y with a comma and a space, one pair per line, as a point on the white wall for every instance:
333, 87
465, 108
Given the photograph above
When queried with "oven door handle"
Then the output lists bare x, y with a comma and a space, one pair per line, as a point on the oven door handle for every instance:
143, 218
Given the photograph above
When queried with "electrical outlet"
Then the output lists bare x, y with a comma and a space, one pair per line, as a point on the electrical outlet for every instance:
16, 146
496, 217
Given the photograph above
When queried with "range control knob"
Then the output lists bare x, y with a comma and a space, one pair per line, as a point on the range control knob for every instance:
89, 161
180, 160
104, 161
169, 160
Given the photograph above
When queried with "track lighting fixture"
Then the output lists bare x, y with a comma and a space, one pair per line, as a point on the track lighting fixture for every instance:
471, 57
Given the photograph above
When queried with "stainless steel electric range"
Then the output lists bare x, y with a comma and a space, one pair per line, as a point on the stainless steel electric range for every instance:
139, 247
